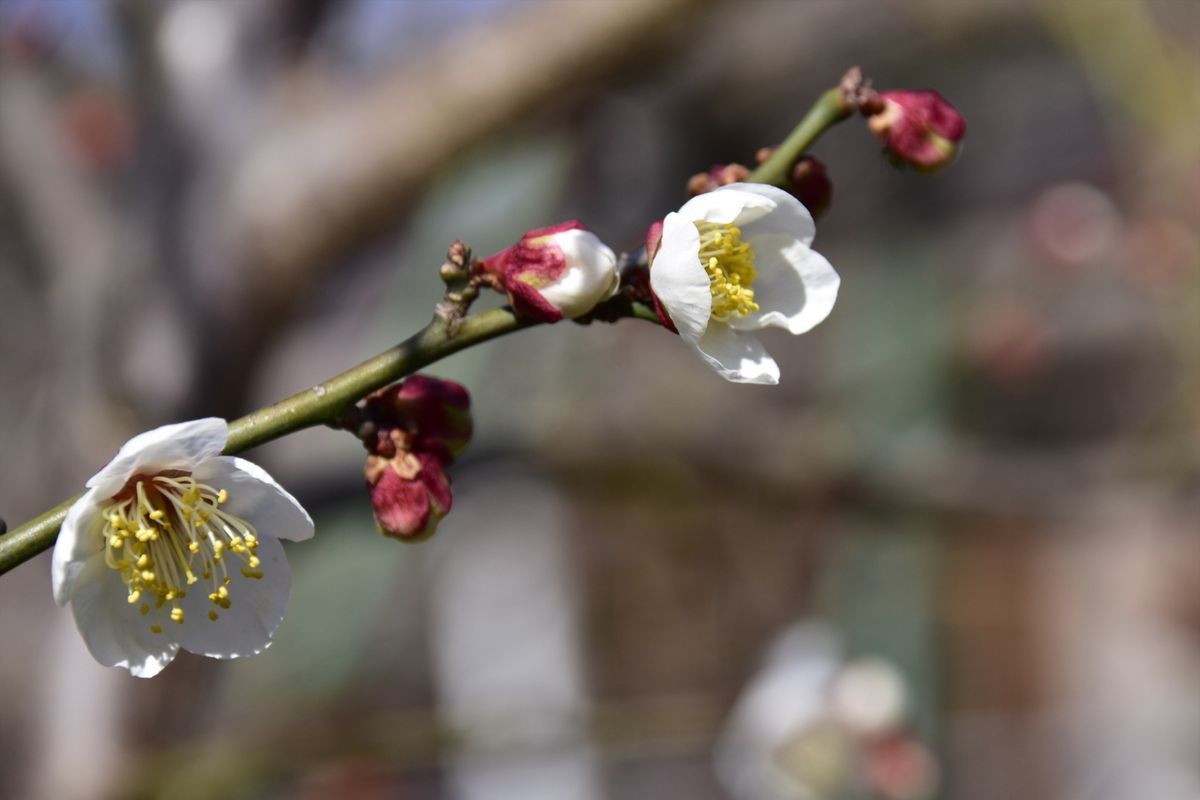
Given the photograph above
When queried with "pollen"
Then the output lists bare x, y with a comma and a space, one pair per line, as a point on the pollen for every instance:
729, 263
165, 529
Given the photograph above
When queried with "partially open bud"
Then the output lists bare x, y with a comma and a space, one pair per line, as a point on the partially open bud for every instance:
554, 273
919, 128
413, 431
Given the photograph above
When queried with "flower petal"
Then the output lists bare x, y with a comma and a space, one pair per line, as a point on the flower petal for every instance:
115, 632
255, 611
738, 203
737, 356
256, 497
795, 288
182, 446
591, 275
81, 538
678, 279
786, 216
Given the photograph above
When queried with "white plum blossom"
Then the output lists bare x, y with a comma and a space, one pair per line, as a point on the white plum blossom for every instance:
735, 260
174, 545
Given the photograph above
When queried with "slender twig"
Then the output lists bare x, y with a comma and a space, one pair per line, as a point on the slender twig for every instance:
831, 108
322, 404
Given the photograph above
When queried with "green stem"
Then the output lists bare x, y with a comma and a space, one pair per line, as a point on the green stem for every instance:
316, 406
830, 109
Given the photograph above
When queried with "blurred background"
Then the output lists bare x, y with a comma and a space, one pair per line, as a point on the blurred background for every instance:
954, 554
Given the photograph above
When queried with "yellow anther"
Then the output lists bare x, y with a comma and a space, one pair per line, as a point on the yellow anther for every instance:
213, 615
193, 547
115, 541
155, 629
143, 561
249, 573
144, 534
177, 615
218, 549
222, 496
251, 540
134, 596
157, 514
148, 576
170, 595
729, 263
191, 577
144, 610
254, 561
222, 592
116, 521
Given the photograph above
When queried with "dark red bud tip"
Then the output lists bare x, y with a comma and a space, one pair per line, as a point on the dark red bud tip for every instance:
810, 185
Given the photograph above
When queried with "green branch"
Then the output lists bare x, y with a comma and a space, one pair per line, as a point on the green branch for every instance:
324, 403
830, 109
316, 406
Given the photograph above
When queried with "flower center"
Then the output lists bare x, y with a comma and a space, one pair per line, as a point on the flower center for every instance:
729, 263
166, 532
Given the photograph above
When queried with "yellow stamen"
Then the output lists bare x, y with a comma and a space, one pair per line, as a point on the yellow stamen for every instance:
729, 263
163, 530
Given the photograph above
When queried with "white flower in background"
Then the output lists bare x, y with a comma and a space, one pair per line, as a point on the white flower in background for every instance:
735, 260
175, 545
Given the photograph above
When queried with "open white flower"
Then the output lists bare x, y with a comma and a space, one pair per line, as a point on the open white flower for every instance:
175, 545
734, 260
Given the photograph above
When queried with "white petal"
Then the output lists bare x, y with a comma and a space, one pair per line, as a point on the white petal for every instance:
255, 611
256, 497
787, 215
115, 632
795, 288
590, 277
678, 280
81, 537
736, 203
181, 446
737, 356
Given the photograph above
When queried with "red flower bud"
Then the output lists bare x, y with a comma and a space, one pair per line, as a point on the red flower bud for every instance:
810, 185
413, 431
718, 176
435, 413
920, 128
410, 493
558, 272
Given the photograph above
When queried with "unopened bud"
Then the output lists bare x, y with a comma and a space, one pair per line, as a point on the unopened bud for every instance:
410, 494
810, 185
554, 273
720, 175
434, 415
919, 128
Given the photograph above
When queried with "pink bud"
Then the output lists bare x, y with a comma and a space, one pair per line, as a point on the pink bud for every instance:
409, 492
558, 272
920, 128
413, 431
